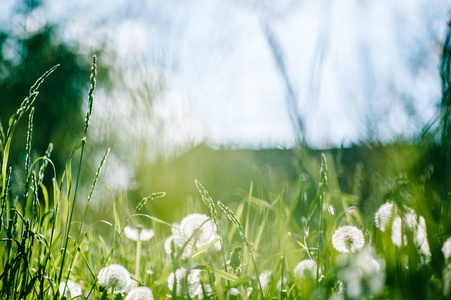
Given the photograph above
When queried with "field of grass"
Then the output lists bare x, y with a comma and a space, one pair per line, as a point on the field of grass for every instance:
289, 246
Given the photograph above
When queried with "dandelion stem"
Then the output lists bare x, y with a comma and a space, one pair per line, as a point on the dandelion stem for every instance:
138, 252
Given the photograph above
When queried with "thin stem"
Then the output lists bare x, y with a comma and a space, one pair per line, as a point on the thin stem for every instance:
319, 238
138, 252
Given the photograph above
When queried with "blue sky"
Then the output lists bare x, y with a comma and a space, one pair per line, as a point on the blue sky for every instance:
357, 68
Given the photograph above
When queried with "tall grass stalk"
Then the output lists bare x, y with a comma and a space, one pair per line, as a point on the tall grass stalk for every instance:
82, 146
237, 222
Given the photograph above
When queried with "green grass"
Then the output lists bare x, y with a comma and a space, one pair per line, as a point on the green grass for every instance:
255, 252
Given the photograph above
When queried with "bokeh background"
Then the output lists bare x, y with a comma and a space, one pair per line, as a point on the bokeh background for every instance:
223, 91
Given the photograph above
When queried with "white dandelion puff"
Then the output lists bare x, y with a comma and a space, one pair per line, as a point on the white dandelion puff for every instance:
70, 291
383, 216
178, 240
281, 283
195, 230
200, 228
234, 292
140, 293
179, 277
446, 249
410, 222
421, 241
396, 232
410, 218
331, 210
348, 239
141, 234
178, 243
361, 275
306, 268
191, 282
114, 277
264, 279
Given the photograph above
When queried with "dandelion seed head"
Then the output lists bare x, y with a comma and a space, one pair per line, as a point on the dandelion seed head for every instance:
168, 245
280, 282
73, 289
331, 210
421, 241
264, 279
192, 281
141, 234
396, 232
178, 245
140, 293
194, 230
306, 268
179, 241
347, 239
179, 275
361, 275
383, 216
410, 218
114, 276
411, 222
234, 292
199, 227
446, 249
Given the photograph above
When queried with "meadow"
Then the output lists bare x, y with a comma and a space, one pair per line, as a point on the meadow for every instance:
291, 244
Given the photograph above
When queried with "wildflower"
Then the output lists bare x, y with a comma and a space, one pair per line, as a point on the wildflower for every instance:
331, 210
383, 216
421, 241
360, 276
140, 293
446, 249
191, 282
348, 239
281, 283
195, 230
70, 291
410, 218
396, 232
179, 242
249, 291
200, 228
306, 268
264, 279
411, 223
141, 234
234, 292
114, 277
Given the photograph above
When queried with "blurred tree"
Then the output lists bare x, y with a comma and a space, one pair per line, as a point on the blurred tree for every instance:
446, 107
28, 48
